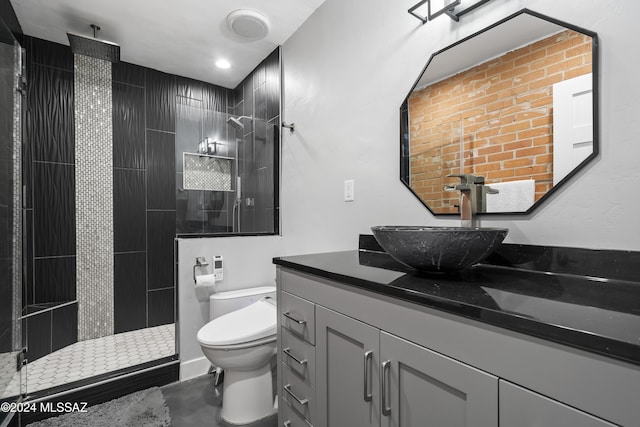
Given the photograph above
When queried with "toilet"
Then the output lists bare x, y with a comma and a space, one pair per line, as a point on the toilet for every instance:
241, 339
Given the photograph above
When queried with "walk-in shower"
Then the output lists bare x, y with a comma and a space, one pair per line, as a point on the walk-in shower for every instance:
49, 271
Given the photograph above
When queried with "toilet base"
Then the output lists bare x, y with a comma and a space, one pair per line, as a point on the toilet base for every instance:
247, 395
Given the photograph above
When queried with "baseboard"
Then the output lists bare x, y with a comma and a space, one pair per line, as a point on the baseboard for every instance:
194, 368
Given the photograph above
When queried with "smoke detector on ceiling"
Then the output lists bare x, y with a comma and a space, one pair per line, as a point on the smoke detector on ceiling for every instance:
248, 24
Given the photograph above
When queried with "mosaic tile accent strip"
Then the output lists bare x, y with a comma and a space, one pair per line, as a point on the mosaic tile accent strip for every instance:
211, 173
17, 205
89, 358
94, 197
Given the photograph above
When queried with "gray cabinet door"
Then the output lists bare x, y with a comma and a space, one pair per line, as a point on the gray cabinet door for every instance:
523, 408
347, 380
422, 388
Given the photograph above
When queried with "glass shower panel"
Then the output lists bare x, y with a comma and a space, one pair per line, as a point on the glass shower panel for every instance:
200, 210
11, 213
257, 210
247, 205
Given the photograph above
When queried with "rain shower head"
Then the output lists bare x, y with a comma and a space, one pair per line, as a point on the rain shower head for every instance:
236, 123
93, 47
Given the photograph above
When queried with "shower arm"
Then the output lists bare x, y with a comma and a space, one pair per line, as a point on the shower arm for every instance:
290, 126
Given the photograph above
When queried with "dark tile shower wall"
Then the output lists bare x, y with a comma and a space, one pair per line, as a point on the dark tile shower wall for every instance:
129, 197
49, 176
144, 125
259, 96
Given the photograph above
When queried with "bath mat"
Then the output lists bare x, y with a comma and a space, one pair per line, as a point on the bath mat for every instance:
146, 408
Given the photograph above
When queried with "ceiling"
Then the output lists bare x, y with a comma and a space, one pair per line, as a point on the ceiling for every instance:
515, 33
183, 37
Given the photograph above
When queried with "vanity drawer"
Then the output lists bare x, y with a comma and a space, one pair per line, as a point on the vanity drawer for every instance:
291, 418
299, 356
298, 316
298, 395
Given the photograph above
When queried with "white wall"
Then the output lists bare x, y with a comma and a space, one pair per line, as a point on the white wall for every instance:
346, 72
247, 263
348, 69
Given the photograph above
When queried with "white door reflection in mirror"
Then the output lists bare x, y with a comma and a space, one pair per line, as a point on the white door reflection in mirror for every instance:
572, 124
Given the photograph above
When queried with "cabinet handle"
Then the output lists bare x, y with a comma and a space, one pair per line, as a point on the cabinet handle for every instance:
386, 409
287, 388
287, 351
286, 424
290, 317
367, 358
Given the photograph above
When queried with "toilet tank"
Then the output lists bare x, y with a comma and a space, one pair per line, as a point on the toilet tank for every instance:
222, 303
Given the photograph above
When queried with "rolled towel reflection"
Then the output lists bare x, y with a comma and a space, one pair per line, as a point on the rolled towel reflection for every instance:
514, 196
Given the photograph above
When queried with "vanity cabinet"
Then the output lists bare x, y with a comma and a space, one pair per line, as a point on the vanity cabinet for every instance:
383, 362
368, 377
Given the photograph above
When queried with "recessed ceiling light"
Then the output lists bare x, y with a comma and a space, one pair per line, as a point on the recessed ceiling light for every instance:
248, 24
223, 63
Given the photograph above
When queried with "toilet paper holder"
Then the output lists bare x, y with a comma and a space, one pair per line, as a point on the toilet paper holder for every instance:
200, 262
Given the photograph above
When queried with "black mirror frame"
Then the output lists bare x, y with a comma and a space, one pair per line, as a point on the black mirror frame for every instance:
404, 113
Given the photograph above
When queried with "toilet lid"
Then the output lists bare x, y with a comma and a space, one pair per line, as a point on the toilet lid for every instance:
250, 323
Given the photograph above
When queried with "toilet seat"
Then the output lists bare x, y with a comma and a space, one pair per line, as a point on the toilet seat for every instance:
241, 346
250, 326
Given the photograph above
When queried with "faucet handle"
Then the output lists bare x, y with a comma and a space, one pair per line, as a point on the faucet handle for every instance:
489, 190
468, 178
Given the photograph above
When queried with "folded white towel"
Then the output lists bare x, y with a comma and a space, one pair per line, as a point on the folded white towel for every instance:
515, 196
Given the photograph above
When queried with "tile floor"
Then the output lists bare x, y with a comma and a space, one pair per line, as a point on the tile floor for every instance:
7, 371
197, 402
94, 357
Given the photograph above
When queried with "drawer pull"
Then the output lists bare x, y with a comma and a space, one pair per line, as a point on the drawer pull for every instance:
287, 388
286, 424
290, 317
287, 351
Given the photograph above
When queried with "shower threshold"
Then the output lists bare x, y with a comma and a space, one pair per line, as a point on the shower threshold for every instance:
86, 359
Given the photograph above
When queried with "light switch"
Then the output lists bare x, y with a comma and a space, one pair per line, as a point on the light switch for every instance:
349, 189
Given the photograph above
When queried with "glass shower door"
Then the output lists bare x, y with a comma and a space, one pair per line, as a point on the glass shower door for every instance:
11, 213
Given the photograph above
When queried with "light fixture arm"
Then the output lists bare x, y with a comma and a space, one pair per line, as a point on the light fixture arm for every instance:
449, 10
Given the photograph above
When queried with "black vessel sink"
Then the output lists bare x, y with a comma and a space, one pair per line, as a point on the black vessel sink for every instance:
438, 249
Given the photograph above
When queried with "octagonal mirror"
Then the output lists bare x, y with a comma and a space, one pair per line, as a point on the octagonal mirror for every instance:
515, 103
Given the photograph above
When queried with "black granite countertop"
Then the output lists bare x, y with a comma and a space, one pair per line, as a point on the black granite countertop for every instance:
596, 314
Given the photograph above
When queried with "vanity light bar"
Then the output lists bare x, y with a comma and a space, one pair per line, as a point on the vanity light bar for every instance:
448, 9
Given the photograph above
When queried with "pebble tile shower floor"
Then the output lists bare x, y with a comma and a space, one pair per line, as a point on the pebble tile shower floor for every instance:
86, 359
